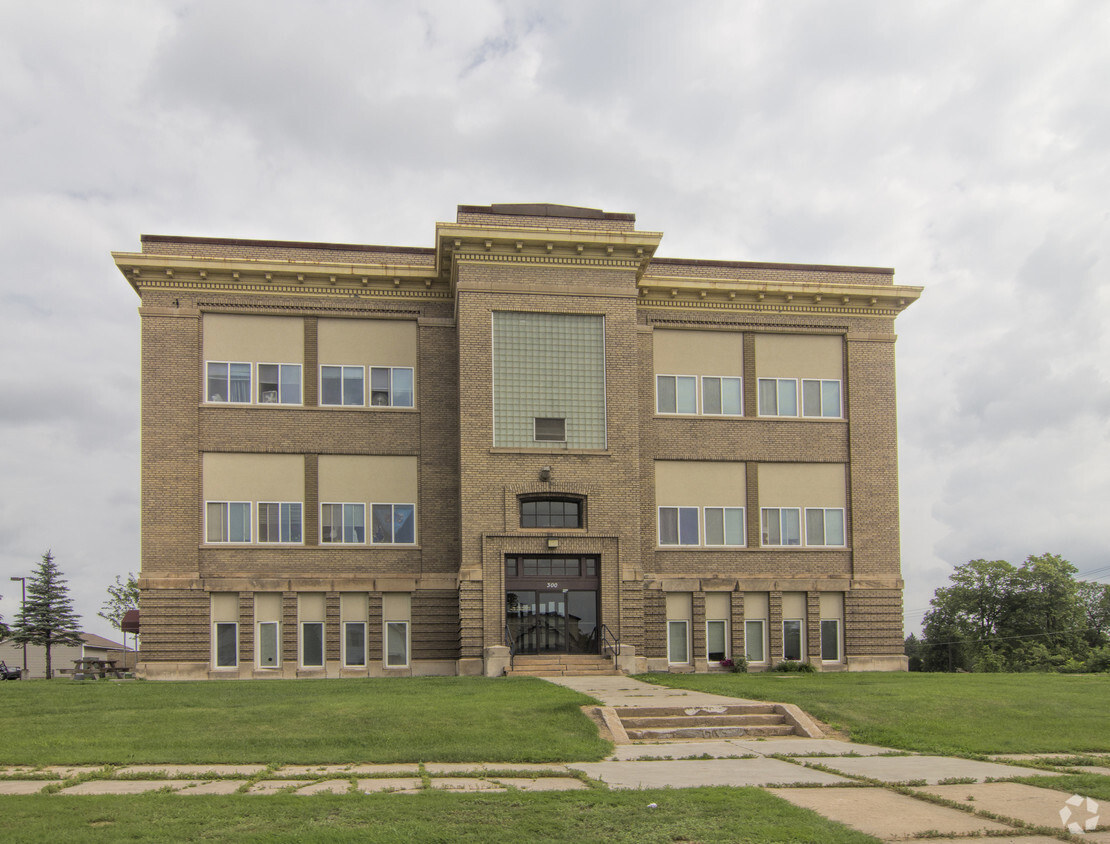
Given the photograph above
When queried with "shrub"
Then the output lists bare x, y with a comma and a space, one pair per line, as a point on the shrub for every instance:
794, 666
736, 666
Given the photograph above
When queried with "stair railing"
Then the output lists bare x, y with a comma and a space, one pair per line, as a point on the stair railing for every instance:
609, 643
511, 643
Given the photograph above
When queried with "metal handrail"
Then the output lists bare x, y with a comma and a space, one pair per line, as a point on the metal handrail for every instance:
511, 643
610, 642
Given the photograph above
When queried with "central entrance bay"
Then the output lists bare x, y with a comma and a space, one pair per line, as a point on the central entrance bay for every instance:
551, 604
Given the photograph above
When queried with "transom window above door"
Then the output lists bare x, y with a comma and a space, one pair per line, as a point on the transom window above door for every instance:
553, 512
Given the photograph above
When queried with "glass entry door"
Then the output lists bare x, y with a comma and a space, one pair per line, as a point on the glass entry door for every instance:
551, 604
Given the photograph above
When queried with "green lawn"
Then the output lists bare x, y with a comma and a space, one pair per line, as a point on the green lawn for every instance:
939, 713
701, 814
420, 719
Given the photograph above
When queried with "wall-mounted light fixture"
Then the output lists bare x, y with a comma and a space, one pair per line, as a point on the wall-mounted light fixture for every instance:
552, 543
545, 473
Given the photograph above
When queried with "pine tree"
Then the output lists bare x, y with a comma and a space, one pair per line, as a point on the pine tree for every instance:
47, 618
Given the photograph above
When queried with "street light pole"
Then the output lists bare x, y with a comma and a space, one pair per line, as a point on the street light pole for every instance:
23, 611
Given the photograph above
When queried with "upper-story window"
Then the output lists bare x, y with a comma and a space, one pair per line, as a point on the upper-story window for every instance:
367, 362
390, 386
707, 367
342, 385
555, 512
803, 505
800, 375
252, 359
719, 395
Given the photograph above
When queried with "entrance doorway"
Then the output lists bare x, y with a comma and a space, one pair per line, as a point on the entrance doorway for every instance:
551, 604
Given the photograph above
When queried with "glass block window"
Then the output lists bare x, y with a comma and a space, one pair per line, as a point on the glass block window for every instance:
548, 366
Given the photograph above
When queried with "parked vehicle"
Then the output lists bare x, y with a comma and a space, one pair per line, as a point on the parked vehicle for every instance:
9, 673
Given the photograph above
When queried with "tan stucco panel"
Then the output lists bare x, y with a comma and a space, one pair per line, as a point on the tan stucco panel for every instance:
832, 605
225, 606
679, 606
799, 356
802, 485
311, 606
364, 479
700, 483
717, 605
396, 606
756, 606
370, 342
353, 606
267, 606
262, 339
793, 604
253, 477
698, 352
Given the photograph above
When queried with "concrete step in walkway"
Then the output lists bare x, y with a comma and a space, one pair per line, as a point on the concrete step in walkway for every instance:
670, 722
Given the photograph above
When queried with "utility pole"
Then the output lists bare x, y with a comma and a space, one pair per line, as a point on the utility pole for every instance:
23, 611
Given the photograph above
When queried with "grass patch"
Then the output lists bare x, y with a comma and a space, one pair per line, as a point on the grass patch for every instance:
937, 713
418, 719
697, 814
1095, 786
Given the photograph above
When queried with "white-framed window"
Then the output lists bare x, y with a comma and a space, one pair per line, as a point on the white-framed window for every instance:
778, 396
821, 398
391, 386
343, 523
549, 429
825, 526
343, 386
721, 396
227, 521
678, 642
396, 644
676, 394
279, 383
830, 640
269, 647
781, 526
678, 526
755, 641
312, 644
793, 642
225, 644
716, 640
280, 521
393, 524
354, 644
724, 526
228, 381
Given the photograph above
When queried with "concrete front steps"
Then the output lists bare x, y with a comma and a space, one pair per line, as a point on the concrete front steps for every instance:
562, 665
748, 720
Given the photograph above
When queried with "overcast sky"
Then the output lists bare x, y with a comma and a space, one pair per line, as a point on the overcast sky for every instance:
963, 144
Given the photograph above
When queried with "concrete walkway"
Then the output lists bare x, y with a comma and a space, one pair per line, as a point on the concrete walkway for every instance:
883, 793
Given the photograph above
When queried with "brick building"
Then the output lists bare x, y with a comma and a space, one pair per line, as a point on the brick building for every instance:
535, 436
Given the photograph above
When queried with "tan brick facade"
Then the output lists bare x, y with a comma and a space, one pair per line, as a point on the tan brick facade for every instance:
207, 597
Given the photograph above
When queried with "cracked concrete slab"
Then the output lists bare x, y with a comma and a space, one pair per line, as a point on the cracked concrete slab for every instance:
23, 786
194, 770
274, 786
327, 787
213, 787
930, 769
885, 814
1040, 806
809, 747
123, 786
695, 773
397, 785
465, 784
542, 783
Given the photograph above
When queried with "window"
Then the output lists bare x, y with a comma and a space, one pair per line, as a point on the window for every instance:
821, 398
550, 430
227, 644
279, 522
393, 523
391, 386
550, 513
354, 644
678, 646
754, 641
227, 521
830, 640
229, 382
678, 525
824, 526
720, 396
551, 566
279, 383
792, 639
716, 640
676, 393
778, 397
724, 525
269, 655
396, 644
342, 522
342, 385
312, 644
781, 526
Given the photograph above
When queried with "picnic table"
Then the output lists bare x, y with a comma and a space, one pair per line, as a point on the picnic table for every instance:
91, 666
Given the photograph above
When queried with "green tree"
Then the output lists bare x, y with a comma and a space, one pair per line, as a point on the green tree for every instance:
47, 618
1044, 621
122, 596
1094, 598
966, 615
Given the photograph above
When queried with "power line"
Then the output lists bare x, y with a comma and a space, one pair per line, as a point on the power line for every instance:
1005, 638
